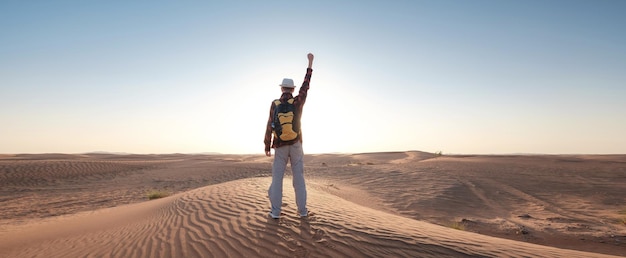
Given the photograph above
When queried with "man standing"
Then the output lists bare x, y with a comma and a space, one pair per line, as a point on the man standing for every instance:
284, 125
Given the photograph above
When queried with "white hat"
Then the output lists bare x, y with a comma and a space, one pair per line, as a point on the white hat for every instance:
287, 83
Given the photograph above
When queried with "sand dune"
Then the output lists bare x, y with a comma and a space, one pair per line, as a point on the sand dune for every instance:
230, 220
363, 205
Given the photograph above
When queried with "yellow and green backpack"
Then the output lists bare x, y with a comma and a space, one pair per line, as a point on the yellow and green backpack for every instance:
286, 122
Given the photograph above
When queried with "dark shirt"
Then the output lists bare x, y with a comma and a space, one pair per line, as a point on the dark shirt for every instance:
299, 103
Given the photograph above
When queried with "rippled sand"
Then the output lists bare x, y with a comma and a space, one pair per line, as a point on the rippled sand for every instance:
406, 204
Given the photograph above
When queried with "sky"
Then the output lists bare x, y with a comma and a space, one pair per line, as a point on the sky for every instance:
460, 77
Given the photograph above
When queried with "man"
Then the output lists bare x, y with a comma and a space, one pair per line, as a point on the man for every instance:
284, 125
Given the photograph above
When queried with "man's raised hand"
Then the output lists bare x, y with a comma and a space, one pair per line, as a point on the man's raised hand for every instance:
310, 57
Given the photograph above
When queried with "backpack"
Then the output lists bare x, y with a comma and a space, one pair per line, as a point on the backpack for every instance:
285, 123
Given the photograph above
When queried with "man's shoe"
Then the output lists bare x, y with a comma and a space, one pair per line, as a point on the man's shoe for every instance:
274, 216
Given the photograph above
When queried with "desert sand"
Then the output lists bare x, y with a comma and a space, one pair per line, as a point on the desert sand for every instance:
403, 204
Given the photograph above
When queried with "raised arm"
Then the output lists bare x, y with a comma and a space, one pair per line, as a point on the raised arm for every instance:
305, 84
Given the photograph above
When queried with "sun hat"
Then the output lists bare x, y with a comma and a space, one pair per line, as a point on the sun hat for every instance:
287, 83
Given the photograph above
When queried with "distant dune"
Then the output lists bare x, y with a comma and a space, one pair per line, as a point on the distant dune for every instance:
403, 204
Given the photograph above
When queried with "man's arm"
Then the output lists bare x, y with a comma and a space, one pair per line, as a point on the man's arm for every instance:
268, 133
307, 79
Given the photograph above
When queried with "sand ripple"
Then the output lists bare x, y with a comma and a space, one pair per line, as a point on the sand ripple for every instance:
34, 173
230, 220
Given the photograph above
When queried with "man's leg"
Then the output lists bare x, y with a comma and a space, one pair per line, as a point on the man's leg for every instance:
297, 169
281, 155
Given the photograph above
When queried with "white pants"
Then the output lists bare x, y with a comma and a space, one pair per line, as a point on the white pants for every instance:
295, 155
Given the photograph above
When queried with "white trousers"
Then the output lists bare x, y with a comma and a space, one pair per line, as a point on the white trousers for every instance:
295, 155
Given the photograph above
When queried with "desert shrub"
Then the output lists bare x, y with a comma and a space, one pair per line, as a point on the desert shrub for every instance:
457, 225
157, 194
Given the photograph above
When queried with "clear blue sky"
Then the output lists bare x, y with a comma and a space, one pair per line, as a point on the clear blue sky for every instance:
199, 76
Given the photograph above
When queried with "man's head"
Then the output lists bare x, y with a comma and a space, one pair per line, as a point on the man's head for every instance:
287, 85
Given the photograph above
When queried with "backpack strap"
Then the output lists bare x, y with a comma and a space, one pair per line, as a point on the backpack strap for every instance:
277, 101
